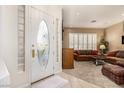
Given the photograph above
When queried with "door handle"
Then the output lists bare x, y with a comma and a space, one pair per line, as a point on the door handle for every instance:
33, 53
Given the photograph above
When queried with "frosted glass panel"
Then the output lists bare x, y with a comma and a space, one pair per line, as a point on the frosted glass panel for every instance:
21, 38
43, 44
57, 40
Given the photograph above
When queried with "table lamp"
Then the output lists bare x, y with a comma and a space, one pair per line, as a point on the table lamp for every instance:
102, 47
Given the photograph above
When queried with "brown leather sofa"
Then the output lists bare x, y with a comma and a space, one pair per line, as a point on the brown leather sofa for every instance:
114, 72
84, 55
114, 56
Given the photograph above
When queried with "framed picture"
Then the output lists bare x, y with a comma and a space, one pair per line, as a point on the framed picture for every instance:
122, 39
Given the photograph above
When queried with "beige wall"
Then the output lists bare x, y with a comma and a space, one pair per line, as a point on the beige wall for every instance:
100, 34
113, 36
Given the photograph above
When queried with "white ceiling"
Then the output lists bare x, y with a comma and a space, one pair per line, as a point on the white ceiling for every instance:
82, 15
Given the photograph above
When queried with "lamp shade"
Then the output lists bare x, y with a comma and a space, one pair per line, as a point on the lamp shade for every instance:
102, 47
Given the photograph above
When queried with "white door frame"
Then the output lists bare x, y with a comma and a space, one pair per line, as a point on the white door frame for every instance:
28, 43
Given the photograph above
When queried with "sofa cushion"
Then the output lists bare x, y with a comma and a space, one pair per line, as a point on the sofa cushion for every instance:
111, 60
83, 52
115, 69
85, 56
120, 63
120, 54
112, 54
89, 52
94, 52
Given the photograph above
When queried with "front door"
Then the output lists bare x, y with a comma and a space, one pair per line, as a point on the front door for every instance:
42, 44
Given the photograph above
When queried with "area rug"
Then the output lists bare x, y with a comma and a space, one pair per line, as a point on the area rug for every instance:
54, 81
91, 73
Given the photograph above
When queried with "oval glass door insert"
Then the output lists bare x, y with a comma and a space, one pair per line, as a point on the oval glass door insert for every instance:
43, 44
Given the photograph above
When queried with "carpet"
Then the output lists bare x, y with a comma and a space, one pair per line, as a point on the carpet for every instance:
54, 81
91, 73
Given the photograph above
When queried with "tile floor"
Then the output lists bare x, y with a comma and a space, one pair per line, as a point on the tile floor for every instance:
73, 82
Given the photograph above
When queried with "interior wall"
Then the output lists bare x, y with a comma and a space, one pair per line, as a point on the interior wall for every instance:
9, 46
113, 35
0, 33
100, 34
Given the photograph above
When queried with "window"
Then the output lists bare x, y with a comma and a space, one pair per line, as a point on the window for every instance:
83, 41
21, 38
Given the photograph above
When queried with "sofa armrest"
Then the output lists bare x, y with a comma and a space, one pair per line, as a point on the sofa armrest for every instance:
112, 53
75, 54
120, 63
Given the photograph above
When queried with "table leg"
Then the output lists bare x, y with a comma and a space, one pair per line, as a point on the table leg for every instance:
96, 62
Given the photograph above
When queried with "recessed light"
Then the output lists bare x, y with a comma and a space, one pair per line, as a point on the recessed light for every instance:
77, 13
93, 21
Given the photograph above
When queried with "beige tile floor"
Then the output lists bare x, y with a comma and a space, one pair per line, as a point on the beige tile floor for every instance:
73, 82
76, 82
89, 72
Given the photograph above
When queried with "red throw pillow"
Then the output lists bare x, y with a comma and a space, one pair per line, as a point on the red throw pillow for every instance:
94, 52
120, 54
112, 54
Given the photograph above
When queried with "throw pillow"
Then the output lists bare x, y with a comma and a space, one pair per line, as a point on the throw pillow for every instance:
83, 52
120, 54
89, 52
94, 52
112, 54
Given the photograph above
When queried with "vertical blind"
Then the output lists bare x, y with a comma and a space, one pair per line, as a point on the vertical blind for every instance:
83, 41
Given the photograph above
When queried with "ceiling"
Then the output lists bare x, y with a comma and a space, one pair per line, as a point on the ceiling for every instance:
82, 15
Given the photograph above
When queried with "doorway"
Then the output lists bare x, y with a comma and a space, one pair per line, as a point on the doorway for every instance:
42, 44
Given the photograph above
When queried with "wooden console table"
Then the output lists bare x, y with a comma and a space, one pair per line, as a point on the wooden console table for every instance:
68, 59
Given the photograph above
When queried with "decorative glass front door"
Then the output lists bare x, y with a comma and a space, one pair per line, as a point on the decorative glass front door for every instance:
42, 44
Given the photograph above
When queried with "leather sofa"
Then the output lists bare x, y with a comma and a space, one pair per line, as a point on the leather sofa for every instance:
114, 72
84, 55
114, 56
